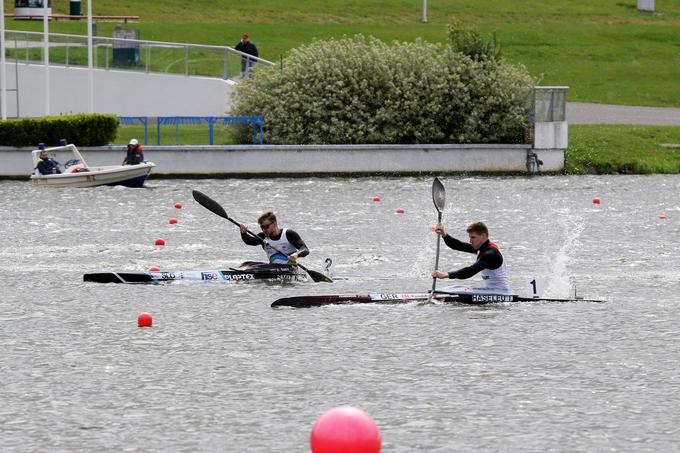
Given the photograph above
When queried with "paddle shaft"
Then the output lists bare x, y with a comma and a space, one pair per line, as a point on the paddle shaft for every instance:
436, 260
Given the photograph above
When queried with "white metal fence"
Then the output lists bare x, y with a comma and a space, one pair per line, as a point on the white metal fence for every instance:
132, 55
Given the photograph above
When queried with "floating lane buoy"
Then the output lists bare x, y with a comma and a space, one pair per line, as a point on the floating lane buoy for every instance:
345, 429
172, 221
596, 200
144, 320
178, 205
400, 211
160, 242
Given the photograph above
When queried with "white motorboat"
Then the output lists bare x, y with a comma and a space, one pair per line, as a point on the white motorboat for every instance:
78, 174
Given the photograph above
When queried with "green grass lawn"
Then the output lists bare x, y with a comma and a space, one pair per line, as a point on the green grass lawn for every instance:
605, 51
623, 149
185, 134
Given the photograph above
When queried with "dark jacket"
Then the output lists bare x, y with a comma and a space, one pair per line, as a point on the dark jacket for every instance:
250, 49
135, 155
48, 166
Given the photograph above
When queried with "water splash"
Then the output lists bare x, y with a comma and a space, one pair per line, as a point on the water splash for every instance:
559, 283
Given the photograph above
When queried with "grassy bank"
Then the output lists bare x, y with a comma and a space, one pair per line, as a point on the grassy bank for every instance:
623, 149
605, 51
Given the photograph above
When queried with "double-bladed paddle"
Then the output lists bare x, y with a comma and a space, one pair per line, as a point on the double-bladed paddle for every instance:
439, 199
216, 208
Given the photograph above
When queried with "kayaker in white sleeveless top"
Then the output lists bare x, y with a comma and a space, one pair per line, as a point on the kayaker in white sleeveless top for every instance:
288, 243
489, 264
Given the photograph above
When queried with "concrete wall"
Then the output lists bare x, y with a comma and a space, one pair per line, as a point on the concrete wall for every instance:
225, 161
120, 92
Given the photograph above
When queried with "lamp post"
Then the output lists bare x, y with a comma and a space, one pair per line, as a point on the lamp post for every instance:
424, 10
3, 71
46, 56
89, 55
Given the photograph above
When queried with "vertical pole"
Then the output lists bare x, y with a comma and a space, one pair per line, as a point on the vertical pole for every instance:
90, 69
3, 68
46, 57
145, 120
424, 10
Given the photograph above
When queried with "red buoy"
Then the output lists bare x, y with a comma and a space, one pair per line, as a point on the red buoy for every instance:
596, 200
376, 199
144, 320
154, 269
160, 241
663, 217
172, 221
400, 211
178, 205
345, 429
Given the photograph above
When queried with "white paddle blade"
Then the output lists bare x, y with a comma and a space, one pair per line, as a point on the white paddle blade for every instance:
438, 194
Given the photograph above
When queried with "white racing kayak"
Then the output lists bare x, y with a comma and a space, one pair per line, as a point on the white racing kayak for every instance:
248, 271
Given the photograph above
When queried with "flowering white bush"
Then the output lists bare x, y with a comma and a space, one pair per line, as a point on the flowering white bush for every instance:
362, 90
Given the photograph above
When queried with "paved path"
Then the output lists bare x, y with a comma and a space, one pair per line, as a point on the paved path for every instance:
587, 113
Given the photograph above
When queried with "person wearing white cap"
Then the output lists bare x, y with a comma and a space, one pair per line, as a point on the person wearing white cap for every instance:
135, 153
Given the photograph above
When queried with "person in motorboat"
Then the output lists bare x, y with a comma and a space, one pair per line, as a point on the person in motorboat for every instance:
135, 153
288, 244
489, 264
47, 165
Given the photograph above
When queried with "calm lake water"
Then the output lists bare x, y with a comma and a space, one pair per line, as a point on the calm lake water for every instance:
222, 371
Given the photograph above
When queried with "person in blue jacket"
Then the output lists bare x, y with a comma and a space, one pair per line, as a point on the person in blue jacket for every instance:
47, 165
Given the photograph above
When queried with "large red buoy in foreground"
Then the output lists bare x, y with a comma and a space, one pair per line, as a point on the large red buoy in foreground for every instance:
345, 429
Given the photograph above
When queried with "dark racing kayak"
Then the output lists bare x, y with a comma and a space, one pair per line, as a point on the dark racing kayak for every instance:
396, 298
248, 271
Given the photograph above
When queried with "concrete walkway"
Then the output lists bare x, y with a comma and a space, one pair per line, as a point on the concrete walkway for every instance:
588, 113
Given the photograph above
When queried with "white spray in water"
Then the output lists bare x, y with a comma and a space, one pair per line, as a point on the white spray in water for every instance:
559, 282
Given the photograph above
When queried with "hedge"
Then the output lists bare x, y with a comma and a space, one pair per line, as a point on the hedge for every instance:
83, 130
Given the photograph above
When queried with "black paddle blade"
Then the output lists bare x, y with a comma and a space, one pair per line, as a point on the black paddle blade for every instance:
209, 203
438, 194
317, 276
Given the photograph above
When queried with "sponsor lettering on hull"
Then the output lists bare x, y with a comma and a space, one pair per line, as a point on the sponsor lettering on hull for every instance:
491, 298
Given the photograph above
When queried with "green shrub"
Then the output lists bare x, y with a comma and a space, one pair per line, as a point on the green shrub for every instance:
83, 130
466, 40
361, 90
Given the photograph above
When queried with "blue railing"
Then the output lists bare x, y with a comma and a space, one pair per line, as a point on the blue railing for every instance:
256, 122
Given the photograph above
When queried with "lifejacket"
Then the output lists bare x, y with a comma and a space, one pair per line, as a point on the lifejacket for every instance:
281, 244
135, 155
496, 279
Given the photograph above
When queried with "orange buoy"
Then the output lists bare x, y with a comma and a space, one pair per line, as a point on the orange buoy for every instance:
144, 320
345, 429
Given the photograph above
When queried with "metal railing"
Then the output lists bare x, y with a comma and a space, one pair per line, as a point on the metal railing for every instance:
132, 55
256, 122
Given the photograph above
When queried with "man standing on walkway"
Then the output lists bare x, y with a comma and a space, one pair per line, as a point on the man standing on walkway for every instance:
249, 48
